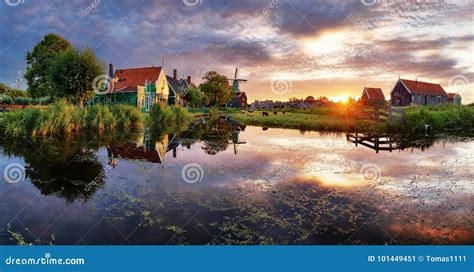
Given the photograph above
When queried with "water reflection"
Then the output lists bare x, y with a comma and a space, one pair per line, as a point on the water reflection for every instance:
390, 142
260, 187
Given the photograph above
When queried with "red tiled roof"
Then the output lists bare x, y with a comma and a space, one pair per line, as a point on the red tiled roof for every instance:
128, 79
375, 93
451, 95
423, 87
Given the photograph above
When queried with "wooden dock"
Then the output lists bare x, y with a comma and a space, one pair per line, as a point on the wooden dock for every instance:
377, 143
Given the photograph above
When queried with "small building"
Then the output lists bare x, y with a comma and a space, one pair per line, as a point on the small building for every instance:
454, 98
141, 87
178, 88
373, 96
413, 92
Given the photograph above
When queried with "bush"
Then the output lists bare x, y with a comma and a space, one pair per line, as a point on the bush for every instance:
163, 119
5, 99
23, 100
443, 118
126, 116
62, 118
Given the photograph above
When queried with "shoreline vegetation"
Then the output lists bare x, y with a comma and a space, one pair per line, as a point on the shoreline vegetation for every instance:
440, 119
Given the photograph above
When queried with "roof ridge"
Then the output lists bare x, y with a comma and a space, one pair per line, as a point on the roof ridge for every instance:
136, 68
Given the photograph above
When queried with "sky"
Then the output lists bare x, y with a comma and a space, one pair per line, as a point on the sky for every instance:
284, 48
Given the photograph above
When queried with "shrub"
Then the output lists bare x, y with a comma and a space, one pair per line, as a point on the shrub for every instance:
98, 118
62, 118
126, 116
163, 119
19, 100
5, 99
441, 118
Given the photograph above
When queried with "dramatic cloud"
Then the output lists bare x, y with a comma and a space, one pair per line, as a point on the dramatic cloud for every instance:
323, 47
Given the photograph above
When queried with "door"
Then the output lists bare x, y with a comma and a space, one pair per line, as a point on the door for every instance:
148, 102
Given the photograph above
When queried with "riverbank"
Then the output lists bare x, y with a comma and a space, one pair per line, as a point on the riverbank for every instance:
439, 119
305, 121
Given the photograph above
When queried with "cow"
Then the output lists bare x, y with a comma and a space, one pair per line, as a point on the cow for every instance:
283, 112
275, 112
264, 113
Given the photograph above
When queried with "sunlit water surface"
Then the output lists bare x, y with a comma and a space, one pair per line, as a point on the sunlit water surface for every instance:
256, 186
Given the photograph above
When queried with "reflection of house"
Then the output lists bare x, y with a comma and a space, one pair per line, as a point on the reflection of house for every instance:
454, 98
239, 99
373, 96
141, 150
414, 92
178, 88
136, 86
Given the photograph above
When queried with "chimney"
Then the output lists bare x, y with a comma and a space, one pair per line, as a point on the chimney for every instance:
111, 70
175, 74
189, 80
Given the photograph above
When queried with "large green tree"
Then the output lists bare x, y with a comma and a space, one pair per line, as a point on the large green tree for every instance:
216, 88
73, 72
195, 97
38, 62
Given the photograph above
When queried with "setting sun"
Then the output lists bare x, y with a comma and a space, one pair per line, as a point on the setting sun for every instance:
341, 99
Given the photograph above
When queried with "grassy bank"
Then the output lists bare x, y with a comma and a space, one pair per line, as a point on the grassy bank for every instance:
62, 118
446, 118
164, 119
306, 121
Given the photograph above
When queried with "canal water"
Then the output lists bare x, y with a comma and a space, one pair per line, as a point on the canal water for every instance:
224, 183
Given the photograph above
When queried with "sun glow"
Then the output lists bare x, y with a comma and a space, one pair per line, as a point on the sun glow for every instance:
340, 99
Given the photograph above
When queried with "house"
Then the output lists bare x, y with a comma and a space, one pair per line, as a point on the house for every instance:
239, 98
141, 87
178, 88
373, 96
413, 92
454, 98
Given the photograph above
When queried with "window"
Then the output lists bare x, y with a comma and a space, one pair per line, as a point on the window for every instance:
419, 99
395, 93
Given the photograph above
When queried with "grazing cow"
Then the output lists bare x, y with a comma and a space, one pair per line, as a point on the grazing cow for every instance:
264, 113
275, 112
283, 112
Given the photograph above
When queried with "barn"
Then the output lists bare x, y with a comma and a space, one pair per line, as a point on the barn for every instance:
414, 92
373, 96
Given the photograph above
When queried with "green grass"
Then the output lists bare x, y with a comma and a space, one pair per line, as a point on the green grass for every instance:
306, 121
167, 119
445, 118
62, 118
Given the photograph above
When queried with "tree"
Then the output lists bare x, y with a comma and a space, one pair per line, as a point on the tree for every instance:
310, 99
216, 88
38, 62
73, 72
195, 97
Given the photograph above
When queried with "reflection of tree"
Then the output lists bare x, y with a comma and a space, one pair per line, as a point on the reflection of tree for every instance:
77, 178
67, 168
215, 136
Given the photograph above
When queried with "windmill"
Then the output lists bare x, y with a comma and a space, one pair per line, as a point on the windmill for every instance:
236, 81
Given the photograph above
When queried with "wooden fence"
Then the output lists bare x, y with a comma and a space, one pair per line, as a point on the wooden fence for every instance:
386, 113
